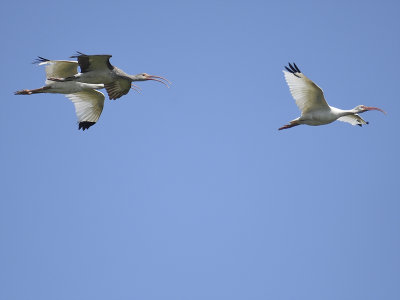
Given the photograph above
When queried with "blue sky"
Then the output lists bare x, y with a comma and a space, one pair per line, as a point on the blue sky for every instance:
192, 192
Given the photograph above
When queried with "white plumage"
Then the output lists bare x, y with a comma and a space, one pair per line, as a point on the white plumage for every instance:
87, 101
88, 105
314, 109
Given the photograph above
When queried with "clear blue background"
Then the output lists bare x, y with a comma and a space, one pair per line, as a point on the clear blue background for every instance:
192, 192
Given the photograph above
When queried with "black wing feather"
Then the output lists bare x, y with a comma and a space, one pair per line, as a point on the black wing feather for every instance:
288, 69
84, 61
297, 68
78, 54
40, 60
85, 125
293, 69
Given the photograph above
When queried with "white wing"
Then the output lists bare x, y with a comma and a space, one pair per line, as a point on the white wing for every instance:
88, 107
307, 94
353, 120
60, 68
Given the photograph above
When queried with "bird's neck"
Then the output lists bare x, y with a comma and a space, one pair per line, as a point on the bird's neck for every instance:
342, 112
134, 77
121, 74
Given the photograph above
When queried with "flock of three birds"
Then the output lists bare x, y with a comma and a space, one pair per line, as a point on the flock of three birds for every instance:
62, 77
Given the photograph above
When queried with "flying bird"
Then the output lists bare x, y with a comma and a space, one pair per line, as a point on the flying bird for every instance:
315, 110
87, 101
98, 69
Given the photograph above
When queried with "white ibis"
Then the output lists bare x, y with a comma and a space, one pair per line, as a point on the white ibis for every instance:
88, 102
98, 69
310, 99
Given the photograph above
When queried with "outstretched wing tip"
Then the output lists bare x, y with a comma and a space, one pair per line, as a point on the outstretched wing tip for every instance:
85, 125
40, 60
293, 69
77, 54
307, 95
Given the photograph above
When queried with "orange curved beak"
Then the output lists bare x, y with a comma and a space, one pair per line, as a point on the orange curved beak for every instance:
374, 108
159, 79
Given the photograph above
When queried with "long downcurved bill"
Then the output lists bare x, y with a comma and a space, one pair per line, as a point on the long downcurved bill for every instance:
374, 108
159, 79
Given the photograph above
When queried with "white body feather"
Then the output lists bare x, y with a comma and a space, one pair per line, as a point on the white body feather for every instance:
87, 100
310, 99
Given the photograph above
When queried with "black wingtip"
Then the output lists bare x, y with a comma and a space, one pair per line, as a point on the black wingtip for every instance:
366, 123
40, 60
297, 68
77, 54
85, 125
293, 69
288, 69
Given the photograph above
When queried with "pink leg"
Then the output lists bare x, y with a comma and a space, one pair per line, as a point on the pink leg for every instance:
288, 126
29, 92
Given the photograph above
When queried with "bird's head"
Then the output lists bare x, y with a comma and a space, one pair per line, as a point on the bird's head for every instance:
363, 108
145, 76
